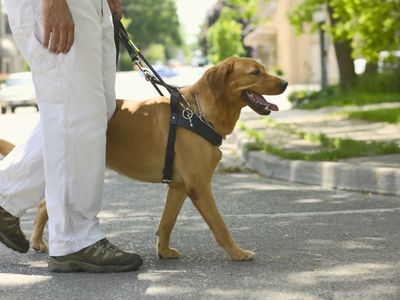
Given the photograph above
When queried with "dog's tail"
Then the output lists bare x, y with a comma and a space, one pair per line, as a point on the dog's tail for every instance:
5, 147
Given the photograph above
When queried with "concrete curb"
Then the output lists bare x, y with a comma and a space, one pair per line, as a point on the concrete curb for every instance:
338, 175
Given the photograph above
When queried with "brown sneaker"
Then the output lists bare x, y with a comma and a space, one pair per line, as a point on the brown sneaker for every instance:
11, 234
101, 257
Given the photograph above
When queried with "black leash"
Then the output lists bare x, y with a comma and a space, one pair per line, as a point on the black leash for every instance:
137, 58
177, 118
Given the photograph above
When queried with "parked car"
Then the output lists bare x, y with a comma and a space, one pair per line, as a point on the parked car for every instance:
18, 90
163, 70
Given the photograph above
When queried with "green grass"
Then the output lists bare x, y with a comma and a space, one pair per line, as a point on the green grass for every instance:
350, 98
389, 115
338, 148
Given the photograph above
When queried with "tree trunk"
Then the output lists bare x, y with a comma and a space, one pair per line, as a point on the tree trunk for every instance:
345, 61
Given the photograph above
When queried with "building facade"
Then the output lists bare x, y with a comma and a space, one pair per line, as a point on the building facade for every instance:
276, 44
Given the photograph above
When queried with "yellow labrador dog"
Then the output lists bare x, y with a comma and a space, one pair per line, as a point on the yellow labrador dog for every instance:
137, 138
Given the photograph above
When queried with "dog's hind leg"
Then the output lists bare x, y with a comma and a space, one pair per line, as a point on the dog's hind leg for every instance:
175, 198
203, 200
5, 147
40, 222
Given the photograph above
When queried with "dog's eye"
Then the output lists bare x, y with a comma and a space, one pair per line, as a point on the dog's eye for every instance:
255, 72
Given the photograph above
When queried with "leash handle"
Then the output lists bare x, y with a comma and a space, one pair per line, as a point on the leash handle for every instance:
121, 35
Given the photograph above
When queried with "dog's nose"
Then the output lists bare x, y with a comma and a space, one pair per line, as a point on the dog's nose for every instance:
283, 85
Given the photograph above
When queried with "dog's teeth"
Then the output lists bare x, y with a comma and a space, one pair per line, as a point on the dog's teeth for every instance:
251, 95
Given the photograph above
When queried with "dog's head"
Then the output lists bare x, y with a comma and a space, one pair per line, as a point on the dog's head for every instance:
243, 81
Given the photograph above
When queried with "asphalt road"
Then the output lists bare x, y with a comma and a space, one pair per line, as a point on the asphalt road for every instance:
310, 243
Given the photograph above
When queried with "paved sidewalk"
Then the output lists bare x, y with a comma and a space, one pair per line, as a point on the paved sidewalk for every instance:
376, 174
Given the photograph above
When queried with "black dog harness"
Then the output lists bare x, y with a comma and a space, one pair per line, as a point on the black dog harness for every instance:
185, 118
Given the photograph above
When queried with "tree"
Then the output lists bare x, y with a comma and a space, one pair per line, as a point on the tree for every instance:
360, 28
303, 14
226, 26
153, 22
372, 27
224, 38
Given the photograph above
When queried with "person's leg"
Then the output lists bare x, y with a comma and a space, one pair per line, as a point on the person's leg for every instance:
102, 256
21, 171
21, 188
73, 112
75, 100
22, 175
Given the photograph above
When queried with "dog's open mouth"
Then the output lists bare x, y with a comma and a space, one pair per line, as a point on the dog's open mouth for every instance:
258, 103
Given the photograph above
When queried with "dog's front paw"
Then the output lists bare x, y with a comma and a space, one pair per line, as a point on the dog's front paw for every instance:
39, 246
168, 253
242, 255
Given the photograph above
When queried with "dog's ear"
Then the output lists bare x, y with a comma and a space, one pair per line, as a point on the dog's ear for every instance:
217, 75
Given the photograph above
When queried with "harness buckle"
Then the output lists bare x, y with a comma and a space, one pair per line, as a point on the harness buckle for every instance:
187, 114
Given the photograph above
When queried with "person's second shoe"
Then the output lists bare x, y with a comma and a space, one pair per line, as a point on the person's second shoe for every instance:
101, 257
11, 234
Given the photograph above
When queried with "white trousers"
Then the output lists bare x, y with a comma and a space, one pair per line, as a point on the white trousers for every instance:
64, 157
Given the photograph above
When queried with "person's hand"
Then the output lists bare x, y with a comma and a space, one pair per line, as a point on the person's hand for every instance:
58, 26
115, 7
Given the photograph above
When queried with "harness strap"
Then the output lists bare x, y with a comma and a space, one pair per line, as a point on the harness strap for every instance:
173, 122
198, 126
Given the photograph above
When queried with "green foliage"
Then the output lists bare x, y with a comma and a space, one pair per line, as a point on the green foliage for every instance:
25, 67
369, 89
155, 52
153, 21
243, 9
348, 97
124, 62
371, 26
224, 38
385, 82
390, 115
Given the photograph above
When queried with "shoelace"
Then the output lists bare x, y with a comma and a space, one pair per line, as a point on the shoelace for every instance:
108, 246
13, 222
104, 248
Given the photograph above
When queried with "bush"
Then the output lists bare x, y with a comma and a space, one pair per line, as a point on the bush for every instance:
301, 97
369, 89
124, 62
385, 82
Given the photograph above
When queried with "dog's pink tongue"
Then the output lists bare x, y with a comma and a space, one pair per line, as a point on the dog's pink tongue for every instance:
272, 107
268, 105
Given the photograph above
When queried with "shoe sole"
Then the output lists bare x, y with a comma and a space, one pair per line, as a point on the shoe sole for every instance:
71, 266
11, 245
